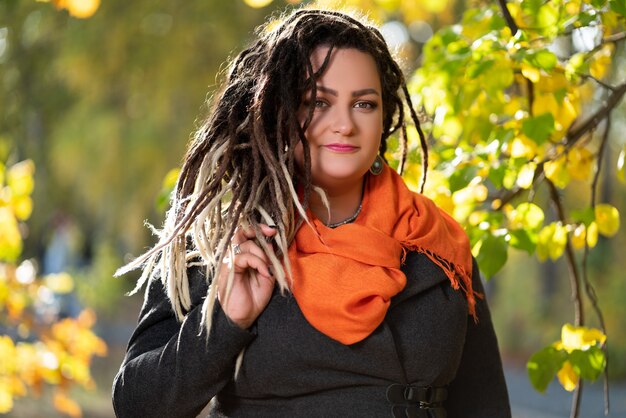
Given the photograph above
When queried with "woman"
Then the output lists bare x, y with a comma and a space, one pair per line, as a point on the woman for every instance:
337, 291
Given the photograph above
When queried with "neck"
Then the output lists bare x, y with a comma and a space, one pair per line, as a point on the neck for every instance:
343, 204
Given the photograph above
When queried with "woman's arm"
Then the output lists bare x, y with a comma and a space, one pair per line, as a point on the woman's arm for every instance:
172, 369
479, 389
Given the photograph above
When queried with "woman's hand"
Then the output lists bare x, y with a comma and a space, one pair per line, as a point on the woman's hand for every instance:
248, 297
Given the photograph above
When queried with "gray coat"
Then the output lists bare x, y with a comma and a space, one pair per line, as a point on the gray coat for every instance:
292, 370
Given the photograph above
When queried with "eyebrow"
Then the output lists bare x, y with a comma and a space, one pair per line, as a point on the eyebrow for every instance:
356, 93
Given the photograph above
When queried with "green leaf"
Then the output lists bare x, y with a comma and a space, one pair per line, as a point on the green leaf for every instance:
543, 367
585, 216
543, 59
492, 254
523, 240
460, 178
586, 18
539, 128
529, 216
588, 364
576, 65
477, 68
618, 6
598, 4
496, 175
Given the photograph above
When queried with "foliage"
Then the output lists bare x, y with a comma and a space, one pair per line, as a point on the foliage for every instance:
578, 354
36, 346
81, 9
509, 94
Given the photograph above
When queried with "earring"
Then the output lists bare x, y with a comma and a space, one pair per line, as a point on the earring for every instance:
377, 165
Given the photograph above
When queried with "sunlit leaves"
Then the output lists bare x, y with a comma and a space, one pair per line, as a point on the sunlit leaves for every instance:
491, 253
257, 3
541, 59
607, 219
10, 239
56, 353
580, 338
539, 128
60, 353
551, 241
578, 354
621, 166
81, 9
556, 171
544, 365
618, 6
169, 182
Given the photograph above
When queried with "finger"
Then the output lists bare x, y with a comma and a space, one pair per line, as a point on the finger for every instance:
253, 248
245, 261
266, 230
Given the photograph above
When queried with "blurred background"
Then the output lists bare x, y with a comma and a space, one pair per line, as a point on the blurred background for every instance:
104, 106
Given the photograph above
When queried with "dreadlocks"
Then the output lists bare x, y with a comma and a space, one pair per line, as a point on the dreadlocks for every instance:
240, 167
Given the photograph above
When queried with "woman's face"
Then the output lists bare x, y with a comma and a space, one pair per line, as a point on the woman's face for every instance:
345, 132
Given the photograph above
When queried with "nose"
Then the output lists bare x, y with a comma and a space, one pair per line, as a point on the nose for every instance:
343, 123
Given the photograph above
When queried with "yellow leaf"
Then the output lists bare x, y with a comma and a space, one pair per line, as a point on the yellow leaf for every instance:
7, 354
545, 103
59, 282
81, 9
607, 218
66, 405
578, 236
568, 377
601, 61
568, 112
257, 4
20, 178
22, 207
572, 7
526, 175
556, 172
530, 72
10, 238
580, 338
579, 163
551, 241
6, 398
559, 240
87, 318
523, 147
621, 166
592, 235
169, 181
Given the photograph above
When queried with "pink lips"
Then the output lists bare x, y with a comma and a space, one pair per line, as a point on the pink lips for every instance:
340, 147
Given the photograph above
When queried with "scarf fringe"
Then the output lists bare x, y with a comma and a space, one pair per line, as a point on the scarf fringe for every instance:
454, 272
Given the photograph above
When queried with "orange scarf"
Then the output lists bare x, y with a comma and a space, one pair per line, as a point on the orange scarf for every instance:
344, 278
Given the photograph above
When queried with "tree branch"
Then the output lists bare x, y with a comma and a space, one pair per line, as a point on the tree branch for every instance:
507, 16
579, 317
589, 289
576, 131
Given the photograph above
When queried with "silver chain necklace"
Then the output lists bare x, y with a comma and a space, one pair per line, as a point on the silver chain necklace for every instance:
350, 219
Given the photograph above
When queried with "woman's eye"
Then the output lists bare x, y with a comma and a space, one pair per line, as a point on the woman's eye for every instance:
320, 103
365, 105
